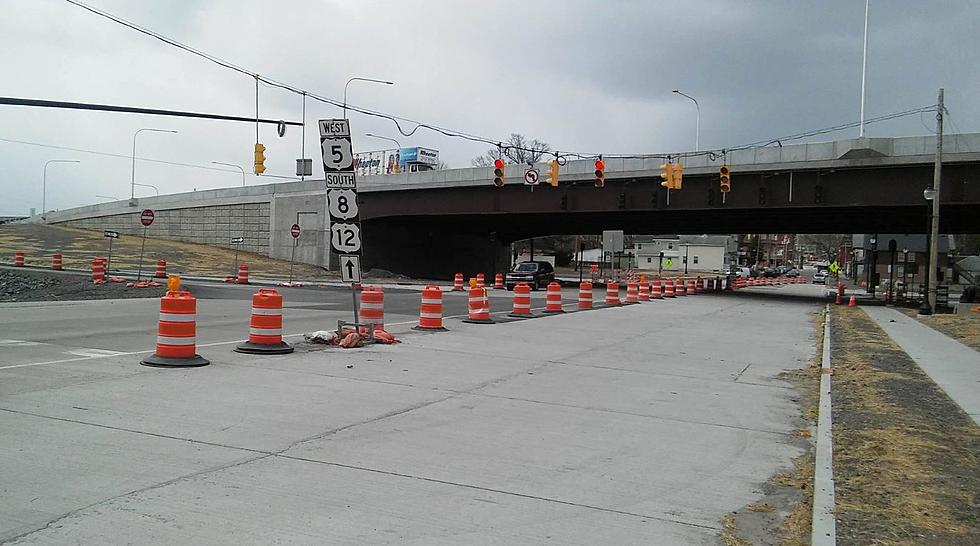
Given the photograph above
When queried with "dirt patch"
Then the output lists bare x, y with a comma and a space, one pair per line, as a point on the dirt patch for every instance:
906, 457
964, 327
41, 286
782, 517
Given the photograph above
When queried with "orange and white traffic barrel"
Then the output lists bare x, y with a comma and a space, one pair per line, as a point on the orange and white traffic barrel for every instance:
612, 293
56, 262
692, 287
479, 306
656, 290
19, 258
632, 292
177, 333
498, 281
699, 285
458, 282
161, 269
373, 306
585, 295
242, 274
265, 325
680, 288
481, 280
552, 298
670, 289
522, 301
98, 271
644, 291
430, 310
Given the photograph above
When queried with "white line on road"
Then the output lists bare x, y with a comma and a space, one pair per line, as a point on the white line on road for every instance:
824, 528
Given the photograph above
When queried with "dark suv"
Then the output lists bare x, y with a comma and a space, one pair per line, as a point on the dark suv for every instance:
535, 274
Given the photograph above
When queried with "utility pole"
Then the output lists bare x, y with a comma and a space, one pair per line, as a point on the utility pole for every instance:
934, 220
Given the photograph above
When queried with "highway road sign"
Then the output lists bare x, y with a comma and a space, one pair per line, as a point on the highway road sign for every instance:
531, 177
294, 231
237, 240
146, 217
111, 234
340, 181
345, 237
337, 154
350, 268
668, 263
342, 204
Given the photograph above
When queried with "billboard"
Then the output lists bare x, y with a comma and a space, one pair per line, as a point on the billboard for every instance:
394, 161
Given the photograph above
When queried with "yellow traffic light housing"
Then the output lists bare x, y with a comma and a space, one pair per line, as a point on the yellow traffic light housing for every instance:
725, 178
600, 173
498, 172
553, 171
676, 176
259, 158
667, 173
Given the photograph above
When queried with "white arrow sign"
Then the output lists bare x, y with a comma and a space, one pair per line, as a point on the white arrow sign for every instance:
345, 237
342, 204
350, 269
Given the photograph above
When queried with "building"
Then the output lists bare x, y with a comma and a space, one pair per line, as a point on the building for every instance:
769, 250
699, 253
901, 257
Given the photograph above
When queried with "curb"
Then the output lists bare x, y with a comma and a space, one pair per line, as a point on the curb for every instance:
824, 527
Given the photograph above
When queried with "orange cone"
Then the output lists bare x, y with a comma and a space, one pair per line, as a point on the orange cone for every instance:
265, 325
853, 302
430, 310
837, 300
553, 298
176, 335
522, 301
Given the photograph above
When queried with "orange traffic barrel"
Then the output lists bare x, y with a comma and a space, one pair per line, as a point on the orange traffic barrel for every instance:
699, 285
680, 288
265, 325
498, 281
481, 280
656, 290
98, 271
19, 258
632, 292
176, 336
612, 293
644, 291
242, 274
669, 288
56, 262
585, 295
161, 269
479, 306
522, 301
692, 287
458, 282
430, 310
552, 298
373, 306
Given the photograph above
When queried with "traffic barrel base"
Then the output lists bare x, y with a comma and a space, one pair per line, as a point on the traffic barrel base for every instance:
262, 349
155, 361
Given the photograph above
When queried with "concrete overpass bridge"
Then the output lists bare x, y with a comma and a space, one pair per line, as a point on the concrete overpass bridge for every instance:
439, 222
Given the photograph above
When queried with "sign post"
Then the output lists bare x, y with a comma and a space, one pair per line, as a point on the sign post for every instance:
237, 241
345, 223
110, 235
146, 218
294, 231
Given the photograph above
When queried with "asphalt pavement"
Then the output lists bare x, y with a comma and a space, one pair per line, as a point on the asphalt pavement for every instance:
637, 424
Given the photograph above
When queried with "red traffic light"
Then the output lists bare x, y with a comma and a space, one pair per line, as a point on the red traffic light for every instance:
600, 165
498, 163
724, 170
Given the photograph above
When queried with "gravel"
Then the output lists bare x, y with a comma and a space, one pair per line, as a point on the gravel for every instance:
28, 285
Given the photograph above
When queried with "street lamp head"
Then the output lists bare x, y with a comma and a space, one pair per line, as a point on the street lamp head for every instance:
929, 194
675, 91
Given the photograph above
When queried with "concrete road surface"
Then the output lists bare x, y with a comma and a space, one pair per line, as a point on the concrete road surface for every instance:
640, 424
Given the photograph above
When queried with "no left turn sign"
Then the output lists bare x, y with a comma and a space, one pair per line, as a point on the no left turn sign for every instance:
531, 177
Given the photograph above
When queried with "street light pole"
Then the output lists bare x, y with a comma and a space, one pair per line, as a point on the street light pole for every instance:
132, 193
239, 167
384, 138
362, 80
44, 181
864, 62
697, 133
929, 301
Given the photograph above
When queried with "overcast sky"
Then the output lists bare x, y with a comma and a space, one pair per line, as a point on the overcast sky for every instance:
591, 76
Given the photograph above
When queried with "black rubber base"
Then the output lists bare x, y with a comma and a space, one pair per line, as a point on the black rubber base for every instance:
420, 329
519, 315
167, 362
258, 349
478, 321
553, 312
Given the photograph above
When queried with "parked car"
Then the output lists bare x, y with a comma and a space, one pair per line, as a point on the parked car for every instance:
535, 274
792, 272
820, 277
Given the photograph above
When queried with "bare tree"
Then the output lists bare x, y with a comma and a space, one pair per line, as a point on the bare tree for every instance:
518, 149
825, 244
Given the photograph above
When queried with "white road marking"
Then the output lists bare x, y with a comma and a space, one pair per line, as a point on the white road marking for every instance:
94, 352
19, 343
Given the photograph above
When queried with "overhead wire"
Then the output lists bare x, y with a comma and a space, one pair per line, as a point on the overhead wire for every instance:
452, 133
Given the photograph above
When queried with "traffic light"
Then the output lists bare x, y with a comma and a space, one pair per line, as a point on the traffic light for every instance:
725, 178
498, 172
259, 158
600, 173
622, 200
667, 173
553, 169
676, 175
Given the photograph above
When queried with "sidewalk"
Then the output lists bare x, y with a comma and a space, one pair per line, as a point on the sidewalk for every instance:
952, 365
